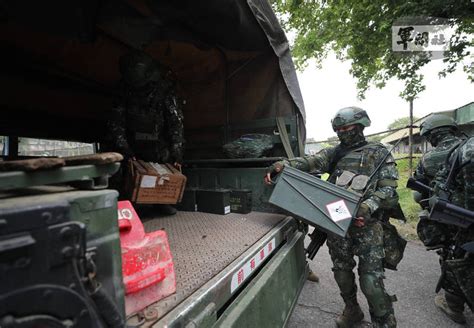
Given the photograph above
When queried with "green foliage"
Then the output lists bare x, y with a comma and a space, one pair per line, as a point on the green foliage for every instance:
361, 31
409, 206
401, 122
325, 145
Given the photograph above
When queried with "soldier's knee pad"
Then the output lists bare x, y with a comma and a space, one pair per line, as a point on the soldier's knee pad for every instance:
373, 288
346, 282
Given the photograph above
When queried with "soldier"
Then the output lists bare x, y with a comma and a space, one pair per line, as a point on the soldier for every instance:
440, 131
147, 120
365, 236
457, 260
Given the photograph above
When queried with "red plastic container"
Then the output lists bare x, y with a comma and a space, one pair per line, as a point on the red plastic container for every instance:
147, 264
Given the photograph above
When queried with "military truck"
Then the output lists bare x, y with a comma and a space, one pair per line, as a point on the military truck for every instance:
59, 76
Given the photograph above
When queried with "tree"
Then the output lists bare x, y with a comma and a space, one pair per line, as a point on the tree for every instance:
401, 123
361, 31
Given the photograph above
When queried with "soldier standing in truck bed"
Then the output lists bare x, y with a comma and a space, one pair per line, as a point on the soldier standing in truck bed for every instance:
147, 120
365, 237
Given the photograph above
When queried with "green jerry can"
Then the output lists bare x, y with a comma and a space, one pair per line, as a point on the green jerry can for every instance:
315, 201
93, 210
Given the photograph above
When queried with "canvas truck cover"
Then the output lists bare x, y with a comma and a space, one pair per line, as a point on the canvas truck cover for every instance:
231, 59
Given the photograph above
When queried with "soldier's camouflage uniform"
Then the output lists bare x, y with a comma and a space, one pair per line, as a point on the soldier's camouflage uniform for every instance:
432, 233
366, 242
458, 265
146, 121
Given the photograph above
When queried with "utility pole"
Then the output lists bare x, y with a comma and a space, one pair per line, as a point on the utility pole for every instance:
410, 140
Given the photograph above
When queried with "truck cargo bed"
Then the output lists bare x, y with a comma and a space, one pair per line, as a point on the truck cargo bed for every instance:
203, 245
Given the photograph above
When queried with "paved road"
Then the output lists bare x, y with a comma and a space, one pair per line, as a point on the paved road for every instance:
413, 283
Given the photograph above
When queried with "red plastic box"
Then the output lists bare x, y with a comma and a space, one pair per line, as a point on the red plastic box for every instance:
147, 264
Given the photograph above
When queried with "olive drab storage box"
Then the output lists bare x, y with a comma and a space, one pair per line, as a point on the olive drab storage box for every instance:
216, 201
317, 202
94, 210
188, 202
97, 211
154, 183
241, 201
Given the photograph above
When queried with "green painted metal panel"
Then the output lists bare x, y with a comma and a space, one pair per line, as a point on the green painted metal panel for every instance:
98, 211
271, 296
18, 179
318, 202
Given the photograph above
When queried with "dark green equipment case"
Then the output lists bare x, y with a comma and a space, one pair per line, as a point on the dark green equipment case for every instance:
319, 203
188, 202
241, 201
97, 209
213, 201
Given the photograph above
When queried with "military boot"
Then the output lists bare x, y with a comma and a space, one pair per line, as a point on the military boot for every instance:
387, 321
452, 306
312, 276
352, 313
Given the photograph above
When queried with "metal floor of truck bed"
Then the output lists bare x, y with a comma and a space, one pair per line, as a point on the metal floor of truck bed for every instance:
203, 244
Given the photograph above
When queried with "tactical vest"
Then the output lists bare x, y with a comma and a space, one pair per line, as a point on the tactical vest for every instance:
459, 194
364, 161
361, 160
434, 159
145, 124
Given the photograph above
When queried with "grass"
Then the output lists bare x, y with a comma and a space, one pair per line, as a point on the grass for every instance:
409, 206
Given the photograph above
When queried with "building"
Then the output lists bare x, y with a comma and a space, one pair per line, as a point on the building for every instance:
312, 148
464, 117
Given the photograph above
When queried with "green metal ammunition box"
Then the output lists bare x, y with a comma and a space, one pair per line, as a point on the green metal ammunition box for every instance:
317, 202
241, 201
213, 201
188, 202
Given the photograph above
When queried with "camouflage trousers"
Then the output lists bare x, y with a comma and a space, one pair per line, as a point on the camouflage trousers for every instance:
365, 242
459, 279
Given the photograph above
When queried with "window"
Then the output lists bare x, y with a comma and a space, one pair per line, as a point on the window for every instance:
59, 148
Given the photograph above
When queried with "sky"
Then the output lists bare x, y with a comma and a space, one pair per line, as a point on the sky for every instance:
328, 89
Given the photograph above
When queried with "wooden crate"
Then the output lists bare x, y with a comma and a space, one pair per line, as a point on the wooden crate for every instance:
154, 183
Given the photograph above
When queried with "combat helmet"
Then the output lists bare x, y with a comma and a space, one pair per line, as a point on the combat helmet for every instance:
436, 121
138, 68
349, 116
